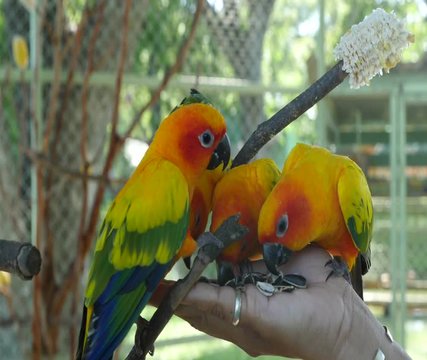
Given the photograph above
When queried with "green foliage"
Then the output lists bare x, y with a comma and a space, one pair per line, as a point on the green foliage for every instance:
286, 45
4, 50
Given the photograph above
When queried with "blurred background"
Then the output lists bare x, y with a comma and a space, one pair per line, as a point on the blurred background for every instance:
84, 85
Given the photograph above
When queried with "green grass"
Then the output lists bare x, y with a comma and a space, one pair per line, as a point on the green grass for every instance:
416, 337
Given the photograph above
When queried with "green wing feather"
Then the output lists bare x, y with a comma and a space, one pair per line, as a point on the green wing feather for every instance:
356, 205
147, 222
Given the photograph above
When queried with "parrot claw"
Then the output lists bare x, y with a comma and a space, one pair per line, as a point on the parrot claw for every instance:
141, 326
246, 267
339, 268
235, 275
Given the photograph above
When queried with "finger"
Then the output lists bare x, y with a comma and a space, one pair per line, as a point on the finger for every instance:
309, 262
220, 302
215, 300
210, 317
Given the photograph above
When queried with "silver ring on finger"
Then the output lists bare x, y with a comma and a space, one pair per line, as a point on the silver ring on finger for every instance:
237, 307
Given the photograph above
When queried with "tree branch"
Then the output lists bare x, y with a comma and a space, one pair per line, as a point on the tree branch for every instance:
229, 232
298, 106
22, 259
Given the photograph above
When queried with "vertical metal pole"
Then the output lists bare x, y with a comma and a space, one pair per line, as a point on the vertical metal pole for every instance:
393, 110
402, 211
320, 69
36, 113
398, 212
358, 123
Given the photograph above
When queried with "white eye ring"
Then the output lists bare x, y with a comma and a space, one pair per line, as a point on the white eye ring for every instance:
282, 226
206, 138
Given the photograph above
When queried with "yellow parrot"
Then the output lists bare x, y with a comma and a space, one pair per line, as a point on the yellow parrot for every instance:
146, 227
320, 198
242, 190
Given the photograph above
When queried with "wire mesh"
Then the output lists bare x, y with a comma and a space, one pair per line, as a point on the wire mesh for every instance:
243, 58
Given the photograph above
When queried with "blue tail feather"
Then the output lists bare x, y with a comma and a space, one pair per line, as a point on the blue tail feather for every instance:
119, 306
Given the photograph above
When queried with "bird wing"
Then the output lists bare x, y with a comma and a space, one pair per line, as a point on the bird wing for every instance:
138, 239
356, 205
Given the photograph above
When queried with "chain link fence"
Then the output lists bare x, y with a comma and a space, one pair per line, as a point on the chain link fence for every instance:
60, 164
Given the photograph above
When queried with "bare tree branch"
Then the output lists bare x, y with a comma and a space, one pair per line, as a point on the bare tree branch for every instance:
298, 106
49, 163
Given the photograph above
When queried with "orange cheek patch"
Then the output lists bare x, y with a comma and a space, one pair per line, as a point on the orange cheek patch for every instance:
299, 212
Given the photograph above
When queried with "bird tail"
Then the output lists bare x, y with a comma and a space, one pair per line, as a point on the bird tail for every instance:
82, 335
361, 267
356, 277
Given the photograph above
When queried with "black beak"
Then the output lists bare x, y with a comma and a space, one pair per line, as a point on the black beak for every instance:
187, 262
221, 154
274, 256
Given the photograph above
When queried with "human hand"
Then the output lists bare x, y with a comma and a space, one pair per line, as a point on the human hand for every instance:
305, 323
327, 320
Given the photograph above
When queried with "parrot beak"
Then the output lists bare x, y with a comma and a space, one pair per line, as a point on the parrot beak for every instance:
187, 262
221, 154
274, 256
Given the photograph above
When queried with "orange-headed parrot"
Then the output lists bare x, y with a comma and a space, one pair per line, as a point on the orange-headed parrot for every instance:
242, 190
146, 224
320, 198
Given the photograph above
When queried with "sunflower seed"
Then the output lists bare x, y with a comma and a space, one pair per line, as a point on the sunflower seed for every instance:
265, 288
295, 280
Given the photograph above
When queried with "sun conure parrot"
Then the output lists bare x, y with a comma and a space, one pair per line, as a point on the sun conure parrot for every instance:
145, 226
242, 190
320, 198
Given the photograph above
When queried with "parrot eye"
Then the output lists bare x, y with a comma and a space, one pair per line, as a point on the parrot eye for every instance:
206, 139
282, 226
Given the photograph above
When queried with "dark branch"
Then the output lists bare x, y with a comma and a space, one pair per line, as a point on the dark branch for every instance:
298, 106
229, 232
22, 259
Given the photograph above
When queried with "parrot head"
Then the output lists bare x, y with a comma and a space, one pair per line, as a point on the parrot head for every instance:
193, 137
284, 224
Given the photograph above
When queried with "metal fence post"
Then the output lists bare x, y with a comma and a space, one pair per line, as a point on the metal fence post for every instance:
398, 212
36, 106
